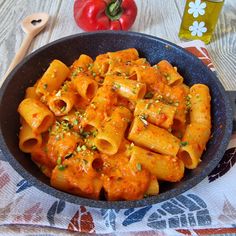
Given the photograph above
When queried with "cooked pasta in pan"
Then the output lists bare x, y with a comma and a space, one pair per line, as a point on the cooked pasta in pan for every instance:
114, 127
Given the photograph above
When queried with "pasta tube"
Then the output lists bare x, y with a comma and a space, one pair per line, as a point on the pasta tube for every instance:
53, 78
164, 167
101, 64
153, 188
62, 102
157, 113
200, 104
127, 88
119, 68
36, 114
85, 86
153, 137
81, 65
99, 108
109, 138
146, 74
31, 93
193, 144
76, 175
28, 140
130, 54
170, 73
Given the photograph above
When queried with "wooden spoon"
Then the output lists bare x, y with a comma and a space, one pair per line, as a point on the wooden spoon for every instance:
31, 25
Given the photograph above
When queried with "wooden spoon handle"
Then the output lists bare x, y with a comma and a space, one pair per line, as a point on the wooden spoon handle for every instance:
19, 55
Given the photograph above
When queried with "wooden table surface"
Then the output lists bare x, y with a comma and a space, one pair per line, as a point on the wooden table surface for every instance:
160, 18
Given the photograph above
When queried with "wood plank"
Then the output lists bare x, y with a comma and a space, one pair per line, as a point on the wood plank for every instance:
158, 18
11, 37
64, 22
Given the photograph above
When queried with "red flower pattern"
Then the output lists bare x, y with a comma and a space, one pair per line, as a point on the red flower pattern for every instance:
82, 221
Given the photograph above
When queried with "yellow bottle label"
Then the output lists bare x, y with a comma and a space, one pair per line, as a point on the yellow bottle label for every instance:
199, 19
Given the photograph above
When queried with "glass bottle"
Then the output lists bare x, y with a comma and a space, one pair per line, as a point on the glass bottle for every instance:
199, 19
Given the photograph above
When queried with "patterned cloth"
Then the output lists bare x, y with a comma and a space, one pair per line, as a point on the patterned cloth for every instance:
209, 207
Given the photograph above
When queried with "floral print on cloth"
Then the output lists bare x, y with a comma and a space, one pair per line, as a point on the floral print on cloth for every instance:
193, 212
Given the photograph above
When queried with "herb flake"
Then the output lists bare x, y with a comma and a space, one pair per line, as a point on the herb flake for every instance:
183, 144
139, 166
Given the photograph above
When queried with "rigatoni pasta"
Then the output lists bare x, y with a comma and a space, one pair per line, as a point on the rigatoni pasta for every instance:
156, 112
115, 126
85, 85
200, 98
109, 137
29, 140
36, 114
163, 167
52, 78
193, 144
130, 89
153, 137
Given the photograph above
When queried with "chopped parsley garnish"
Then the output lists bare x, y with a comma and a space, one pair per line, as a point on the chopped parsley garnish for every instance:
76, 122
147, 106
85, 134
66, 126
94, 133
139, 167
115, 86
59, 161
134, 90
81, 148
94, 148
65, 87
188, 102
45, 86
78, 149
75, 73
143, 117
79, 114
168, 77
156, 67
131, 146
176, 104
61, 167
149, 95
183, 144
90, 66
